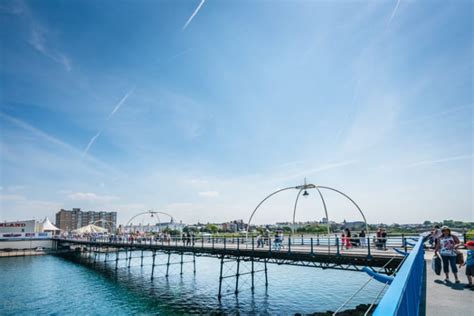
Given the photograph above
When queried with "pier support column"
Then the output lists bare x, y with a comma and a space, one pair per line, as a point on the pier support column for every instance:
219, 295
194, 263
141, 262
106, 255
168, 264
130, 258
266, 273
252, 274
153, 264
237, 277
181, 264
117, 254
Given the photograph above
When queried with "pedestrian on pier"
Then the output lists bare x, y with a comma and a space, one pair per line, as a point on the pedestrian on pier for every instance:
348, 238
362, 238
259, 241
384, 239
379, 239
469, 263
446, 246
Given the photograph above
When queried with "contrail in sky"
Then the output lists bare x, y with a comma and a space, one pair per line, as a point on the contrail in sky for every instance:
116, 108
92, 141
430, 162
120, 103
394, 12
194, 14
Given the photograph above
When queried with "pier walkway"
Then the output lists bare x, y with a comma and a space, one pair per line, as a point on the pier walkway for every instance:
447, 298
292, 252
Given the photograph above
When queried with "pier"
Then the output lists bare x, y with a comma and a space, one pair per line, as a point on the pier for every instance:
238, 251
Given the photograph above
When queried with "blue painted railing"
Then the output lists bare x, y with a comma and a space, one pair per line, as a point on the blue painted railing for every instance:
404, 295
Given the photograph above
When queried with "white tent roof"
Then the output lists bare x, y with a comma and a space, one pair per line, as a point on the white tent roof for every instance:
89, 229
48, 226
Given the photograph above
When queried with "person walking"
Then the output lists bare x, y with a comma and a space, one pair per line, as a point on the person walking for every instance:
446, 247
379, 239
348, 238
384, 239
363, 241
469, 263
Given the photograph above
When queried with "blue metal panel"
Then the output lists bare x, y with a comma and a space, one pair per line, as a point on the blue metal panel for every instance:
404, 294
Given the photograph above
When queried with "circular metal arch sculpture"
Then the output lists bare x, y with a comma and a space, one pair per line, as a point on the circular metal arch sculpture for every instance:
151, 213
304, 188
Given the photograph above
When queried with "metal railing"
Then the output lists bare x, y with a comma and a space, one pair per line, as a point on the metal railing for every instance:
320, 244
404, 295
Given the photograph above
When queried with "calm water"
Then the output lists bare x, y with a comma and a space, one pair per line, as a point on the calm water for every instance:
52, 285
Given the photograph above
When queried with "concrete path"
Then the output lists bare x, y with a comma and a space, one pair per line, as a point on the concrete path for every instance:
447, 298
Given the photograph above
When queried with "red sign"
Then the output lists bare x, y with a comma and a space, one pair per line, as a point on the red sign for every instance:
12, 224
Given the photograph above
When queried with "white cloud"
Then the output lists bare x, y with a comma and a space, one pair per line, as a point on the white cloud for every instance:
38, 42
12, 197
209, 194
436, 161
90, 197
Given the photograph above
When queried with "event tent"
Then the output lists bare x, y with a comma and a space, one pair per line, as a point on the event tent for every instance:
47, 226
89, 229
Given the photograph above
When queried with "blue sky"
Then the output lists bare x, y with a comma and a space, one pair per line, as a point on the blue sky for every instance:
201, 109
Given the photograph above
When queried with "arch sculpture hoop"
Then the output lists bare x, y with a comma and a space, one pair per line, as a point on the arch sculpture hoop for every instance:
305, 187
151, 213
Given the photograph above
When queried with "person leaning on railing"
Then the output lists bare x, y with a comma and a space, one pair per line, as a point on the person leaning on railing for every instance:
446, 246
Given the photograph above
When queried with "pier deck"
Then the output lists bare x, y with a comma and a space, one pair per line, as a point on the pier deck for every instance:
446, 298
294, 254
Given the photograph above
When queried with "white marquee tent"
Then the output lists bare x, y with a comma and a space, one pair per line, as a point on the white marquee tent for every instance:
47, 226
89, 229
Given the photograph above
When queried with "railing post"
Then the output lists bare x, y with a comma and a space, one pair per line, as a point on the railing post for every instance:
312, 252
212, 242
368, 249
225, 241
253, 246
302, 240
337, 247
317, 239
238, 243
289, 244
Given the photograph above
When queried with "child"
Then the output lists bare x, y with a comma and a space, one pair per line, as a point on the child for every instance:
469, 263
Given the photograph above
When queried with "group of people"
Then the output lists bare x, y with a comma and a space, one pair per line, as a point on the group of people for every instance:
350, 240
446, 247
188, 239
263, 239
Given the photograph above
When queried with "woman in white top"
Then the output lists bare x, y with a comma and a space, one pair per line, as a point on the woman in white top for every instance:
446, 246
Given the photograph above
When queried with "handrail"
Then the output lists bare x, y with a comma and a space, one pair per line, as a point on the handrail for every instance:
403, 297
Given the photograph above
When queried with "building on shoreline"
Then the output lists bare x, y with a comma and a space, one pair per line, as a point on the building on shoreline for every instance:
69, 220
